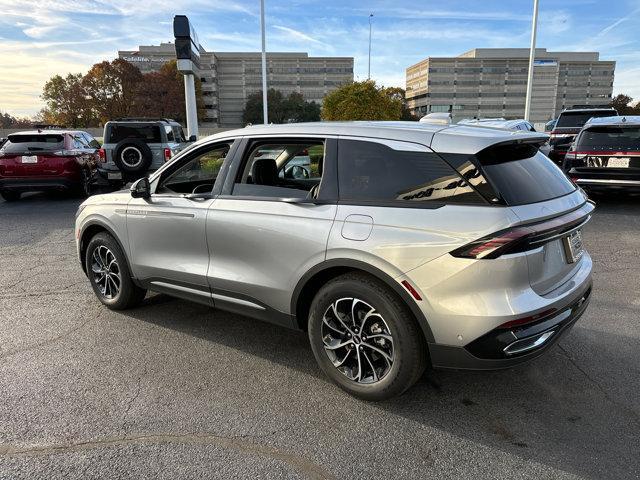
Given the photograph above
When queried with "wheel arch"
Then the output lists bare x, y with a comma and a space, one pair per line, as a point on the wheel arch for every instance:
321, 273
90, 230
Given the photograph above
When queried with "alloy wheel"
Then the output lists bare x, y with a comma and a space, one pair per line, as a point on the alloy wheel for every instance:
106, 272
357, 340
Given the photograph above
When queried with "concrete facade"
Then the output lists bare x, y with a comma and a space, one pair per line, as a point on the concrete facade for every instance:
487, 83
228, 78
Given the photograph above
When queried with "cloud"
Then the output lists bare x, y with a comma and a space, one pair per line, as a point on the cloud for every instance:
297, 35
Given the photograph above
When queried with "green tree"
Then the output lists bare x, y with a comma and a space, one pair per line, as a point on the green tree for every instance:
624, 105
111, 88
292, 108
361, 101
161, 94
398, 94
66, 100
9, 121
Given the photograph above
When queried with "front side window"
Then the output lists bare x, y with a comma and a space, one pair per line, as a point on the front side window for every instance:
287, 169
374, 172
197, 175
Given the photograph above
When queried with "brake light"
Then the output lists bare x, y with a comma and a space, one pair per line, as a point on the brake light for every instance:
102, 155
167, 154
521, 238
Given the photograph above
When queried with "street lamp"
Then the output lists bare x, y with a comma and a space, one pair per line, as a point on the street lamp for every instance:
532, 57
369, 74
265, 114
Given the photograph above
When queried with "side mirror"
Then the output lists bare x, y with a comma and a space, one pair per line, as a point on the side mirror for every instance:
193, 138
141, 188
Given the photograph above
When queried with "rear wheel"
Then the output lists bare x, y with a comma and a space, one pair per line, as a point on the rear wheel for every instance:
109, 274
10, 196
83, 190
365, 339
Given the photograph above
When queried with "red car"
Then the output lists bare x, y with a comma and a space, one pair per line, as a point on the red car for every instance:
47, 160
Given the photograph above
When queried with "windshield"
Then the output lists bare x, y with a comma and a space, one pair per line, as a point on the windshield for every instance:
33, 142
610, 138
578, 119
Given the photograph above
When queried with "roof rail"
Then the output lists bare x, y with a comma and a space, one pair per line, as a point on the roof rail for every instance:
577, 107
142, 119
47, 126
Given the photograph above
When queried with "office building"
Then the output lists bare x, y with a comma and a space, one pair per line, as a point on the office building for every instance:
228, 78
492, 82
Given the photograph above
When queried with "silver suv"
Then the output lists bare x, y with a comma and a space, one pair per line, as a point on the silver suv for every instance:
406, 244
134, 147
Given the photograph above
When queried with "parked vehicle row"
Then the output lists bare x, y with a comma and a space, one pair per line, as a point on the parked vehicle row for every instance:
73, 161
408, 243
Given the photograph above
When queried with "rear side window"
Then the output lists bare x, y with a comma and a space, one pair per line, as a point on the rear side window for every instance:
36, 142
520, 174
578, 119
146, 133
169, 133
610, 138
374, 172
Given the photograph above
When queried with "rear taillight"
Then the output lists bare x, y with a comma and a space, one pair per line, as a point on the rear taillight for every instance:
522, 238
492, 246
167, 154
102, 155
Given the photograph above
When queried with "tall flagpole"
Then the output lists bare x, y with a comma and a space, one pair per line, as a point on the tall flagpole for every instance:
265, 110
369, 71
532, 57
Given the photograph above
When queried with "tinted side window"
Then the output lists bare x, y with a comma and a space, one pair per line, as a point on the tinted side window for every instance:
169, 131
373, 172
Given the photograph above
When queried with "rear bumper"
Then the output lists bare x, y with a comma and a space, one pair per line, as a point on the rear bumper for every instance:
608, 184
26, 184
503, 348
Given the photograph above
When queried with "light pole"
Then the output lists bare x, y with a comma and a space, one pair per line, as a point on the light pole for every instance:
369, 72
265, 111
532, 57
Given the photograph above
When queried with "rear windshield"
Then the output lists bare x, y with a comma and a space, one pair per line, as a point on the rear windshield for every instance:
578, 119
35, 142
146, 133
521, 174
610, 138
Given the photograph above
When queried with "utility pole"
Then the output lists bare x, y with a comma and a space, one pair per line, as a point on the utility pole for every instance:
369, 73
265, 114
532, 57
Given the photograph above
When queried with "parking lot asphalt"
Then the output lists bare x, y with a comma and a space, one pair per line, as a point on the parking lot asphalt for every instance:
175, 390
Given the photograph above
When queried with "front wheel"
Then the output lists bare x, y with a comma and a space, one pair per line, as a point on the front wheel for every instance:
365, 338
109, 274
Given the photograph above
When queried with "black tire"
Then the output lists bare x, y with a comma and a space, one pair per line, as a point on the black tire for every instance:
408, 352
128, 294
83, 190
132, 156
10, 196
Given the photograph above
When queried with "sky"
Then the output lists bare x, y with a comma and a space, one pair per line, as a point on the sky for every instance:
41, 38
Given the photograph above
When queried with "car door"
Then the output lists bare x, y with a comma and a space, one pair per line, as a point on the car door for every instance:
268, 228
167, 235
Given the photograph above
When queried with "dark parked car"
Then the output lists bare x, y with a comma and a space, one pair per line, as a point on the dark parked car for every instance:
47, 160
606, 155
568, 126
